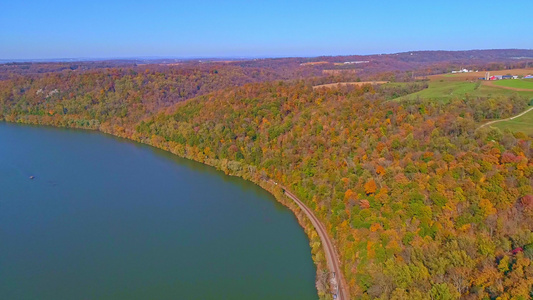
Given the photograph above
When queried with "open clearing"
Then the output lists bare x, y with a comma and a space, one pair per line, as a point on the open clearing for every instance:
314, 63
524, 123
338, 84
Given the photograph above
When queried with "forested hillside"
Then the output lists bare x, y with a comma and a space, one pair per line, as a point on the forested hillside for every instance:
121, 94
419, 203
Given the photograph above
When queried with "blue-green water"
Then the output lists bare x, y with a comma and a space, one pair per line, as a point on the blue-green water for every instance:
107, 218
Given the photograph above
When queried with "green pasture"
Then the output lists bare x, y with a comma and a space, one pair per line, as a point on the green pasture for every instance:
516, 83
443, 90
523, 123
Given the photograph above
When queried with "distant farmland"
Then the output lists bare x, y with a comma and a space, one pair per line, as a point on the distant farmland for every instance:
336, 84
480, 74
444, 87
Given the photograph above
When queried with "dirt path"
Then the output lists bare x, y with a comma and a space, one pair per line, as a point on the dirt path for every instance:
514, 117
491, 83
329, 249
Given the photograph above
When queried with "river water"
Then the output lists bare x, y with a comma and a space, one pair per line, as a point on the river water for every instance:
107, 218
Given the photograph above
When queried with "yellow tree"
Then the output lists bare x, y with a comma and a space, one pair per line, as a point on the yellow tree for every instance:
370, 187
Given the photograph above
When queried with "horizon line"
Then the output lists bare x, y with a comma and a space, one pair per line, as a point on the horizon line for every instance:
211, 58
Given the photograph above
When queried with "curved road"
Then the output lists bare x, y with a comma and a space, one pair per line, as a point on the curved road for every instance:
331, 254
514, 117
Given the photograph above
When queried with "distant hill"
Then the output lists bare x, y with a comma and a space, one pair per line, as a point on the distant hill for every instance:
422, 62
395, 61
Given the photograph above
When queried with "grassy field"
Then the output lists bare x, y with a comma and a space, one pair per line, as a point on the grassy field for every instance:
523, 124
444, 90
516, 83
445, 87
447, 90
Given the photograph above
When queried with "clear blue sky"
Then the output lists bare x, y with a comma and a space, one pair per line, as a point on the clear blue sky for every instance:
103, 29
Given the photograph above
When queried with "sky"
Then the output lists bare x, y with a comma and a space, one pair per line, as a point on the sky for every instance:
195, 29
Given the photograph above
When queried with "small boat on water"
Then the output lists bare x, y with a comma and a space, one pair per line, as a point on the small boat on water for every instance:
32, 177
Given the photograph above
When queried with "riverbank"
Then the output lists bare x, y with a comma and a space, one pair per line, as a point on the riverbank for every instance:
246, 172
